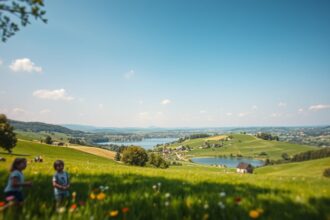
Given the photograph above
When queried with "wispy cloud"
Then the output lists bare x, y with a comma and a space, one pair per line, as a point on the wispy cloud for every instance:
318, 107
254, 107
300, 110
243, 114
129, 75
166, 102
202, 111
58, 94
1, 62
44, 111
24, 65
282, 104
275, 115
19, 111
229, 114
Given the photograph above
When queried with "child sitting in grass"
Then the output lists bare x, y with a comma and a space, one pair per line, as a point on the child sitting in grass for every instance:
61, 183
14, 188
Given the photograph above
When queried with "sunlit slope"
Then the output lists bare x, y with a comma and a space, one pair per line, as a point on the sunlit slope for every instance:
245, 145
310, 168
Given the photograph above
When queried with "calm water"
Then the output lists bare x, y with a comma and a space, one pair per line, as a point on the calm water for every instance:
146, 143
228, 161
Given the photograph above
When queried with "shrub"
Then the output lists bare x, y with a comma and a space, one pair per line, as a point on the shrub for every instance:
326, 172
157, 161
135, 156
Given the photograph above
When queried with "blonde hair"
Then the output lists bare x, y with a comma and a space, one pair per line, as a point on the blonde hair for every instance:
16, 163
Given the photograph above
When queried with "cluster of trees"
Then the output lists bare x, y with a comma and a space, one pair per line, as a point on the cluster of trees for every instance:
8, 138
193, 136
138, 156
311, 155
267, 136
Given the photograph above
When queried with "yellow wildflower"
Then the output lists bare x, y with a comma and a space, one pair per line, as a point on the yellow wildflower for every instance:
92, 196
113, 213
100, 196
254, 214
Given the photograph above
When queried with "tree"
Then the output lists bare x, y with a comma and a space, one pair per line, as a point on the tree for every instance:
117, 156
157, 161
8, 138
48, 140
135, 156
17, 13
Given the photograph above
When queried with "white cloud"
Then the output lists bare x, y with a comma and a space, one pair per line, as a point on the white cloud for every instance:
243, 114
300, 110
24, 65
44, 111
254, 107
229, 114
318, 107
101, 106
129, 75
202, 111
141, 102
1, 62
275, 115
166, 102
18, 111
57, 94
282, 104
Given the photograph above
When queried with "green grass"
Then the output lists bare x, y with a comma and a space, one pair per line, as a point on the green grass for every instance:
246, 145
186, 192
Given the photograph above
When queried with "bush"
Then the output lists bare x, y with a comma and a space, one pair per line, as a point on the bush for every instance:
326, 172
135, 156
157, 161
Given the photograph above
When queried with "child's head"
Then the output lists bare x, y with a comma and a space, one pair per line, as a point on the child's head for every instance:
59, 165
18, 164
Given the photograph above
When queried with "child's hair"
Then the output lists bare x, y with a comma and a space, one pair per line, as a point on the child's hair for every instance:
57, 163
16, 163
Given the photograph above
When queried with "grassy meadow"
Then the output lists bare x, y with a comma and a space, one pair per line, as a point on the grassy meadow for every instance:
106, 189
245, 145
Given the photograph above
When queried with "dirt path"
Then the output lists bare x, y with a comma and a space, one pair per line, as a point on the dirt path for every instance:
96, 151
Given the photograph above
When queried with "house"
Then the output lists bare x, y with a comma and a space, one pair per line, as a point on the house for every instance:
244, 168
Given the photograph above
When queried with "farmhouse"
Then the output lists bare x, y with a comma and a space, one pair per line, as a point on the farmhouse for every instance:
244, 168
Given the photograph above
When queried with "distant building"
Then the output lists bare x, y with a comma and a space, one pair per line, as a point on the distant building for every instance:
244, 168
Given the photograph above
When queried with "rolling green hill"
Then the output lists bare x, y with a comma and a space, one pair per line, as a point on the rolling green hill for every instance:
180, 192
245, 145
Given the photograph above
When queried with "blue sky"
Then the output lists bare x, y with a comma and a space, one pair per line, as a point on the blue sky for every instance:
171, 64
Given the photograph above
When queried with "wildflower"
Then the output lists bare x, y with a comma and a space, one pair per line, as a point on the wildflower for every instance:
167, 203
238, 200
100, 196
254, 214
125, 209
106, 187
10, 198
221, 205
61, 210
159, 184
92, 196
167, 195
222, 194
206, 206
73, 207
154, 187
2, 204
113, 213
74, 194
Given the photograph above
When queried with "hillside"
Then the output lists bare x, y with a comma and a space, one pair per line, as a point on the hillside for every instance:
180, 192
240, 144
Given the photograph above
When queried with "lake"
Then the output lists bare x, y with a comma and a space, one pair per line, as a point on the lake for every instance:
228, 161
147, 143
